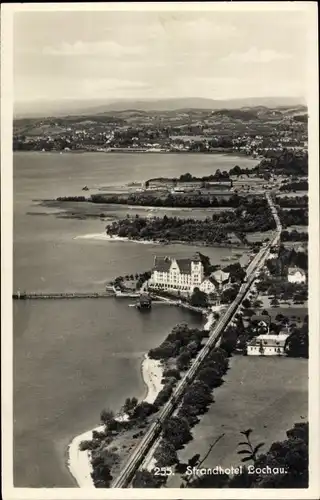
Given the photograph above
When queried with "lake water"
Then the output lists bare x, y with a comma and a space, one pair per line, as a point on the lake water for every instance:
73, 358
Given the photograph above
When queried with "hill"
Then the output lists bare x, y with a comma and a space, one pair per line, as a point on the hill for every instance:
75, 107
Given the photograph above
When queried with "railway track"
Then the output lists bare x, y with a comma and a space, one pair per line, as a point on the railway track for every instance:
127, 473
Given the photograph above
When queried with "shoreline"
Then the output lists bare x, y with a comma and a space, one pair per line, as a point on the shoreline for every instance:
79, 462
227, 152
106, 237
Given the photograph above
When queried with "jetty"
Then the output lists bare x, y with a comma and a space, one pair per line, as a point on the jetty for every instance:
63, 295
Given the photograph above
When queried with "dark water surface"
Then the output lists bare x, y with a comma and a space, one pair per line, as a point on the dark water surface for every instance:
72, 358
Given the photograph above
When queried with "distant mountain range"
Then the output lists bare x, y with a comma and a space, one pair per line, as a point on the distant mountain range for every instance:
75, 107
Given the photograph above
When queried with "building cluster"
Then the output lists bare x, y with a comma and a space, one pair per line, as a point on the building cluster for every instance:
196, 131
197, 187
184, 275
265, 343
268, 345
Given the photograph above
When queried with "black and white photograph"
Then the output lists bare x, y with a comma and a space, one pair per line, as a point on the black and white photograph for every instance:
159, 252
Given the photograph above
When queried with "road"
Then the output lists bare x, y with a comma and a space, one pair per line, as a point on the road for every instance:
126, 474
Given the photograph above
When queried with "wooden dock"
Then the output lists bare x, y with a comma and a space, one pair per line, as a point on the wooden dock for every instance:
63, 295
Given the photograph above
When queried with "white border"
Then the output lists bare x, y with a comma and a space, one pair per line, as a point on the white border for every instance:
9, 492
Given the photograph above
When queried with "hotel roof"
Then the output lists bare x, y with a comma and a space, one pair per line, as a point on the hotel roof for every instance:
163, 264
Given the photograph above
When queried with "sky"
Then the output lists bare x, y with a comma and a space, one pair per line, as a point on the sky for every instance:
144, 55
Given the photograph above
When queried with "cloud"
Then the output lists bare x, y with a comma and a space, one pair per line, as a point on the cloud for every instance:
100, 48
254, 55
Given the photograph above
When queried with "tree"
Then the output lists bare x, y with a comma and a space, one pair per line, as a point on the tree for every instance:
89, 445
291, 456
189, 412
106, 417
274, 328
129, 405
229, 340
246, 303
299, 431
171, 373
143, 410
250, 451
211, 377
236, 271
199, 298
274, 302
297, 344
165, 454
183, 360
198, 395
229, 294
288, 458
145, 479
220, 356
100, 474
163, 396
176, 431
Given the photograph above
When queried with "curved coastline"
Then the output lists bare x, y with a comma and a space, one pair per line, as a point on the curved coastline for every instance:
78, 462
105, 237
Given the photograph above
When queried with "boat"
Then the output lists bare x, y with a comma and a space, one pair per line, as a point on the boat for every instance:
144, 302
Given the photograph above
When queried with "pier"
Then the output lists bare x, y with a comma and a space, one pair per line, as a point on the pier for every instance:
63, 295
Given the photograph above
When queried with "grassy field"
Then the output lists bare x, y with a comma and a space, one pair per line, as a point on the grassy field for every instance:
285, 307
295, 312
258, 236
292, 194
266, 394
300, 229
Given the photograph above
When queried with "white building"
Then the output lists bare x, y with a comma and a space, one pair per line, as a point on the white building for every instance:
181, 275
207, 286
267, 345
296, 275
220, 277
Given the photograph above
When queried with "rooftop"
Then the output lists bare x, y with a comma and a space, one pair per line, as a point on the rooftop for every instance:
262, 317
270, 340
294, 270
163, 264
220, 276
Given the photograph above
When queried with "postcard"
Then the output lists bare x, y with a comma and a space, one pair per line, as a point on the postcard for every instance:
160, 250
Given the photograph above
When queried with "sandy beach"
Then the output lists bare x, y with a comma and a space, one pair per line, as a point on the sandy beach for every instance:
106, 237
79, 461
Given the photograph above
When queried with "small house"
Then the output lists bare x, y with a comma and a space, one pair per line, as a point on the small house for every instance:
296, 275
268, 345
262, 322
